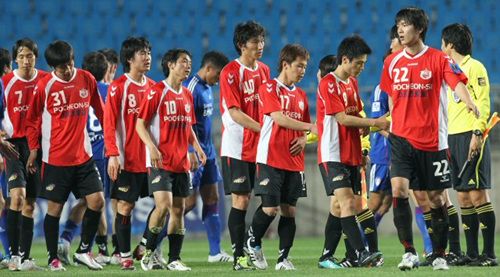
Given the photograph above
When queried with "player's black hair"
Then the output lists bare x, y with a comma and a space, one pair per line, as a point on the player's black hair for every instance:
96, 64
130, 46
5, 60
111, 55
24, 42
244, 31
171, 56
416, 17
327, 64
290, 53
215, 58
352, 47
394, 33
59, 52
460, 35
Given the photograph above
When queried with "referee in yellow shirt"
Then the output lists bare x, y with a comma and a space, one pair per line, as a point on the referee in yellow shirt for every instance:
466, 142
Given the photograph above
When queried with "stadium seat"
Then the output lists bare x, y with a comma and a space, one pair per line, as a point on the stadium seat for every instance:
29, 26
16, 7
49, 6
105, 6
61, 26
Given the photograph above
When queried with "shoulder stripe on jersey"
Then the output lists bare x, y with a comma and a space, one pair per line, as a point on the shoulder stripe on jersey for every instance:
47, 124
192, 84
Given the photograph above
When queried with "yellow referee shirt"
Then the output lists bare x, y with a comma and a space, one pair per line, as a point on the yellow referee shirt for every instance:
459, 119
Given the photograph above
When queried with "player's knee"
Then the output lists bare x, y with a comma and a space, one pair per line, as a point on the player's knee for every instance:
125, 208
241, 201
29, 208
271, 211
177, 210
96, 203
189, 206
480, 199
16, 201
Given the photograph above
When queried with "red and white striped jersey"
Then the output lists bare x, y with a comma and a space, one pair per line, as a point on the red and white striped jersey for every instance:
239, 86
418, 87
120, 116
338, 143
64, 109
170, 115
275, 141
16, 99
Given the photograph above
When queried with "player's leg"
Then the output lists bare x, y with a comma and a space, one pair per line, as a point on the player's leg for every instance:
423, 219
70, 229
3, 214
51, 231
333, 233
470, 223
286, 232
101, 238
487, 220
176, 229
14, 224
454, 251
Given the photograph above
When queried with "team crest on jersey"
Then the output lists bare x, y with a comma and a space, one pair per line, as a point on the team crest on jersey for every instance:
84, 93
301, 105
425, 74
187, 107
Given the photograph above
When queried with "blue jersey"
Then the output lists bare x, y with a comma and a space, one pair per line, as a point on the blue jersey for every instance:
380, 148
94, 128
203, 105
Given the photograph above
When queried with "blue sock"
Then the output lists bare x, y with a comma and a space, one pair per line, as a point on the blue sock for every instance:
163, 233
378, 217
70, 230
211, 220
419, 216
3, 233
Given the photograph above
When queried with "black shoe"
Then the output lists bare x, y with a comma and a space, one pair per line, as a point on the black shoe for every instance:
451, 258
462, 260
484, 260
368, 258
428, 260
348, 263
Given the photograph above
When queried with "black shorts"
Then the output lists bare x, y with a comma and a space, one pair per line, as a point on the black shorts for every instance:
478, 174
59, 181
432, 168
15, 170
337, 175
129, 186
286, 186
162, 180
238, 175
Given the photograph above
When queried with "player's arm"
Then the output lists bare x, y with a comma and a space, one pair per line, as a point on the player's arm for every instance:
244, 120
289, 123
33, 125
354, 121
478, 79
112, 110
149, 107
193, 140
463, 93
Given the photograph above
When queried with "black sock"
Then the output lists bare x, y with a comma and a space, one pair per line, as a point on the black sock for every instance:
352, 232
333, 233
51, 230
260, 223
145, 235
152, 239
175, 246
440, 226
487, 219
26, 237
403, 221
286, 231
236, 225
350, 252
102, 244
123, 229
454, 231
369, 226
114, 241
14, 220
90, 223
470, 223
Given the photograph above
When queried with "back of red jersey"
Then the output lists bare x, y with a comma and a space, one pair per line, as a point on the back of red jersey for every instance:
64, 109
122, 108
418, 87
170, 115
275, 141
338, 143
16, 99
239, 86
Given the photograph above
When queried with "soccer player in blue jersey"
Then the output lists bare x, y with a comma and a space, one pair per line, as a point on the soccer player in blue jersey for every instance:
205, 179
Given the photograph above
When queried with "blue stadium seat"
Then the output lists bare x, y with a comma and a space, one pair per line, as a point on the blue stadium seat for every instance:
61, 26
137, 6
29, 26
49, 6
91, 24
105, 6
79, 6
16, 7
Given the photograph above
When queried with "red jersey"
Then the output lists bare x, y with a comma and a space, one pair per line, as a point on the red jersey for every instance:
120, 116
170, 115
338, 143
274, 141
16, 99
417, 85
64, 109
239, 86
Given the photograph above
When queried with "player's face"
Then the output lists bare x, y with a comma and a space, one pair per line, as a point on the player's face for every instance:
356, 66
25, 59
182, 67
446, 48
141, 61
296, 70
65, 71
396, 45
212, 76
407, 33
254, 47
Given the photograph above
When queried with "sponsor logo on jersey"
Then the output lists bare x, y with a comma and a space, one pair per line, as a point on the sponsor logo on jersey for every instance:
156, 179
187, 107
50, 187
301, 105
339, 177
264, 182
240, 180
124, 189
426, 74
13, 177
481, 81
84, 93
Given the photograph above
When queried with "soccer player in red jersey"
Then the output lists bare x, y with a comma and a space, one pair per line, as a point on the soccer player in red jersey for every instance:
339, 147
239, 84
61, 102
126, 151
23, 187
165, 126
284, 113
416, 78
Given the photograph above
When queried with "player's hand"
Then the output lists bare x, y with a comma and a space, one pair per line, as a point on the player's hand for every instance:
31, 163
366, 161
365, 131
383, 123
202, 157
3, 133
114, 167
314, 129
471, 107
297, 145
475, 146
156, 159
8, 150
193, 159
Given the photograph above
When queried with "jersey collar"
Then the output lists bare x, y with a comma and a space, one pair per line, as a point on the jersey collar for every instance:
280, 84
143, 83
465, 60
24, 80
171, 88
61, 80
248, 68
340, 79
200, 80
407, 55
